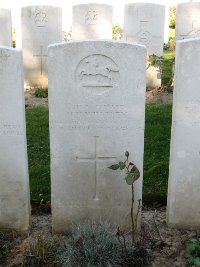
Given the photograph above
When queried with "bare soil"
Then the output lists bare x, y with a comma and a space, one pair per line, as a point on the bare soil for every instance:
166, 245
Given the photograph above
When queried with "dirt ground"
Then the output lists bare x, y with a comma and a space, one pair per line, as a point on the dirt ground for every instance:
160, 96
166, 245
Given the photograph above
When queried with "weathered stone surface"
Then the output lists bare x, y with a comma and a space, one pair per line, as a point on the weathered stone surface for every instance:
41, 26
6, 27
144, 24
14, 183
187, 21
92, 21
183, 190
96, 103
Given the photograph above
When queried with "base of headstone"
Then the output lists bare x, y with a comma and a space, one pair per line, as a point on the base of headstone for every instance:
153, 78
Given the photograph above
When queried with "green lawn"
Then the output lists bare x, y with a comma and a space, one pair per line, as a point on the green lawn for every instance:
38, 153
156, 156
156, 153
167, 67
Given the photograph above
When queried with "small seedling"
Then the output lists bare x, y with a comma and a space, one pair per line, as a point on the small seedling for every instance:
131, 175
39, 92
193, 250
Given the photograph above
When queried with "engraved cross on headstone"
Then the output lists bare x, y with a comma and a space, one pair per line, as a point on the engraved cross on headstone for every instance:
41, 55
95, 159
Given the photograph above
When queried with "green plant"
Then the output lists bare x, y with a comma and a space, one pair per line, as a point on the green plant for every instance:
40, 251
96, 244
160, 63
117, 32
90, 244
39, 92
132, 174
170, 45
155, 61
193, 250
172, 17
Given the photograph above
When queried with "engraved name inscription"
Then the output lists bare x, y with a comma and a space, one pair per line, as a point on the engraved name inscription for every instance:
3, 56
97, 71
100, 117
10, 129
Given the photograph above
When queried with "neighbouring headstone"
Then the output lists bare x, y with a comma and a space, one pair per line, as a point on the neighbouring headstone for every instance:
41, 26
92, 21
183, 190
144, 24
5, 27
14, 182
96, 104
187, 20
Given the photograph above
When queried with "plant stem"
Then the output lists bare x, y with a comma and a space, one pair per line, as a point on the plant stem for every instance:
132, 219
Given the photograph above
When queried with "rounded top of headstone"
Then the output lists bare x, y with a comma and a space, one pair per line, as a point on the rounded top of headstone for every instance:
192, 4
5, 9
107, 43
144, 5
40, 6
92, 4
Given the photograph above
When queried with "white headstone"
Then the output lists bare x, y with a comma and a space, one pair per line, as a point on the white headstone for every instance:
187, 20
184, 176
92, 21
5, 27
14, 183
41, 26
96, 103
144, 24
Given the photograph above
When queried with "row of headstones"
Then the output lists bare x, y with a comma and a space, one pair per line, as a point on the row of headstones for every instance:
42, 26
96, 113
144, 24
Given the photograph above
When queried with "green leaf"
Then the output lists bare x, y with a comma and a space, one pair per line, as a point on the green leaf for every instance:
197, 261
129, 179
122, 165
192, 246
114, 167
135, 172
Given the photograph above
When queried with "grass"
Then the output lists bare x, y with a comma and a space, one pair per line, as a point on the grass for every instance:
156, 156
38, 153
167, 67
156, 153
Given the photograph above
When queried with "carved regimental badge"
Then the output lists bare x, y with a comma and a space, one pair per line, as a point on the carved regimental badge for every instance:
91, 17
40, 17
97, 72
143, 36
